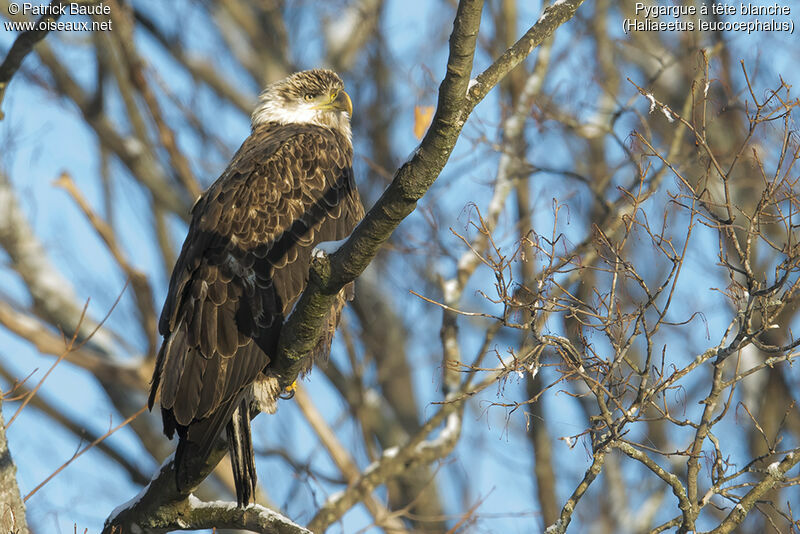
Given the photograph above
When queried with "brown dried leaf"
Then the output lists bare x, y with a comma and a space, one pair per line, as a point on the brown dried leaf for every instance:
422, 119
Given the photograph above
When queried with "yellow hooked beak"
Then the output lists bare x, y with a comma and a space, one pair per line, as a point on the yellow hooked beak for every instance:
339, 102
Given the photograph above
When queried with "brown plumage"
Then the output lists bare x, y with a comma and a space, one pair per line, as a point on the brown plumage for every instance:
244, 264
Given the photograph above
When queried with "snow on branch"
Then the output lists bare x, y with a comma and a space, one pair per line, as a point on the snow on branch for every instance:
160, 507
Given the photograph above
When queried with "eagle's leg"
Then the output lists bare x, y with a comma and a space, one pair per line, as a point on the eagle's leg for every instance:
240, 447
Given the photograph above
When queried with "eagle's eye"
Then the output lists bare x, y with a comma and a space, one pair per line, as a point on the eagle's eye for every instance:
308, 97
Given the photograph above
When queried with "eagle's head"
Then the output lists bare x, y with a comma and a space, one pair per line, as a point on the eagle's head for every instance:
310, 96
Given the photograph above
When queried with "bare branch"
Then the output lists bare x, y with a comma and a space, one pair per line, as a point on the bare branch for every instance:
24, 43
392, 463
776, 473
343, 460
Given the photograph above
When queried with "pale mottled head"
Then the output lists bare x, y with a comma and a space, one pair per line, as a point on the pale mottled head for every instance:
310, 96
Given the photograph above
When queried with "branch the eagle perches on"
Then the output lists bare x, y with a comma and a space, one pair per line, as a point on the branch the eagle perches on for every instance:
160, 507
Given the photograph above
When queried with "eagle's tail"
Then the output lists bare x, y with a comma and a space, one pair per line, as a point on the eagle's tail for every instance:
240, 447
196, 442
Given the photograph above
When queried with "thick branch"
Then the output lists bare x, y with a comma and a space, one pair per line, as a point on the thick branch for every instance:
553, 17
160, 507
413, 179
330, 274
204, 515
410, 183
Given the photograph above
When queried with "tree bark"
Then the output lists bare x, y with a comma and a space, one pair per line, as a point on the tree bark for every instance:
12, 508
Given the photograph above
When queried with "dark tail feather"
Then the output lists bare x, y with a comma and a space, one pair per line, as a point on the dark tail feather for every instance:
184, 454
240, 446
195, 443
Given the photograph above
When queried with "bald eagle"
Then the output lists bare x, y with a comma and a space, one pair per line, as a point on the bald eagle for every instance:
245, 262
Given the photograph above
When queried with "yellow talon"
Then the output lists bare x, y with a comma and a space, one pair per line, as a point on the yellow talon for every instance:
288, 393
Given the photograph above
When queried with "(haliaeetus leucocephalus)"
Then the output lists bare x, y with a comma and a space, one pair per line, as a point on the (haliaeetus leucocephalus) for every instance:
245, 262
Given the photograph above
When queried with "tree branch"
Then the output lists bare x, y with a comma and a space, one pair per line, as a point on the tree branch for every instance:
54, 300
30, 328
410, 183
143, 165
12, 509
328, 275
560, 526
23, 45
160, 507
393, 462
75, 426
775, 473
553, 17
341, 457
204, 515
412, 180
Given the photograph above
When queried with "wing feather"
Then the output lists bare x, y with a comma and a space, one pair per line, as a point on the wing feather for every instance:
212, 386
190, 388
175, 350
227, 332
